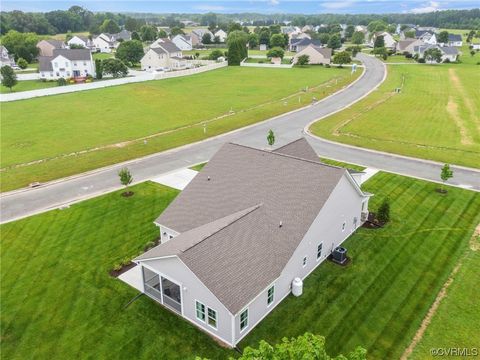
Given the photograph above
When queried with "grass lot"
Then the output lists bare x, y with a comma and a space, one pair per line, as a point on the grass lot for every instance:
436, 116
57, 295
455, 325
100, 127
102, 56
286, 61
379, 301
25, 85
398, 59
250, 52
342, 164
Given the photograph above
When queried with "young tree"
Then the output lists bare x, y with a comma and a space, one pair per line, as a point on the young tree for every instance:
341, 58
358, 37
324, 38
334, 42
379, 42
233, 26
433, 55
176, 31
135, 36
271, 137
162, 34
130, 51
9, 78
206, 38
384, 211
303, 60
277, 40
349, 31
410, 34
307, 346
215, 54
98, 69
443, 37
237, 47
131, 24
126, 178
22, 63
445, 174
114, 67
275, 52
380, 51
252, 40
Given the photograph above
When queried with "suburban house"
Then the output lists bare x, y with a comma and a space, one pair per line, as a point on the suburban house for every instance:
475, 46
162, 54
408, 45
316, 55
80, 40
5, 57
46, 47
361, 28
66, 63
248, 225
300, 44
197, 36
106, 43
183, 42
390, 42
453, 40
449, 53
428, 37
222, 35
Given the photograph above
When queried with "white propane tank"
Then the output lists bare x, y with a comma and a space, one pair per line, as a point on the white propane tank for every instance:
297, 287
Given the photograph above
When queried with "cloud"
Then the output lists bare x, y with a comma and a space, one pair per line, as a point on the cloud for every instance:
337, 5
206, 7
274, 2
430, 7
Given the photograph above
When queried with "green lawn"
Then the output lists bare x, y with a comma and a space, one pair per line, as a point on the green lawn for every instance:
436, 115
342, 164
114, 120
102, 56
455, 325
198, 167
57, 296
379, 300
25, 85
399, 59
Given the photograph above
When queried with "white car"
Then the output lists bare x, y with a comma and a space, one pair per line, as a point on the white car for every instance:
16, 67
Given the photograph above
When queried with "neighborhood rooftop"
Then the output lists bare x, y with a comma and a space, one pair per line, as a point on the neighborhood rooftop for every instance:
243, 216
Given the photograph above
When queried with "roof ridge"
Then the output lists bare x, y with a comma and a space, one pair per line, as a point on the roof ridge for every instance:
246, 210
289, 156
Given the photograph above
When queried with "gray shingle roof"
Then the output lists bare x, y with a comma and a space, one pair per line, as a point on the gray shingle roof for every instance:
299, 148
228, 217
45, 63
306, 42
73, 54
58, 44
454, 37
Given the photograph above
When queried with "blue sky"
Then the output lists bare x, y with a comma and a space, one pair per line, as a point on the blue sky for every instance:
236, 6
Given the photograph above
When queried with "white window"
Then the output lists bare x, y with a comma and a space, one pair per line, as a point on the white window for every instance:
319, 250
270, 295
343, 225
212, 318
244, 319
200, 310
55, 64
75, 63
304, 261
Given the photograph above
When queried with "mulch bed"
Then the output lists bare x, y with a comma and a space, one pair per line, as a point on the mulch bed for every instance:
125, 268
372, 222
127, 193
441, 191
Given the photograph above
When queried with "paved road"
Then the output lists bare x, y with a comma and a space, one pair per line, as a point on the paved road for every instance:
287, 127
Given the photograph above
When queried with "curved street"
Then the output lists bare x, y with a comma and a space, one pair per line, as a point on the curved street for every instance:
287, 127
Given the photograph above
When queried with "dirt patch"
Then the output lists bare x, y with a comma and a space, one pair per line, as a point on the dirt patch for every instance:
452, 109
124, 268
475, 239
465, 96
127, 193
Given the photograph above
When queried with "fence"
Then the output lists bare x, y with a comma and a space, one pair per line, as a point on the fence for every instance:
106, 83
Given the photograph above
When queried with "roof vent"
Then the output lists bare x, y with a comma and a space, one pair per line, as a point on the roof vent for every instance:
281, 224
208, 178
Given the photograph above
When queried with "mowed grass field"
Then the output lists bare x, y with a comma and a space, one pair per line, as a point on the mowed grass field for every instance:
51, 137
58, 300
25, 85
435, 116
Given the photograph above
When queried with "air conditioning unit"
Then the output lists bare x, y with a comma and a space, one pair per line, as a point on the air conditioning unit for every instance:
339, 255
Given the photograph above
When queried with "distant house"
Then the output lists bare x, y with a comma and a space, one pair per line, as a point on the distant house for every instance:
316, 55
5, 57
222, 35
390, 42
80, 40
300, 44
244, 233
197, 36
361, 28
46, 47
163, 54
66, 63
263, 47
475, 46
307, 28
106, 42
408, 45
183, 42
428, 37
449, 53
453, 40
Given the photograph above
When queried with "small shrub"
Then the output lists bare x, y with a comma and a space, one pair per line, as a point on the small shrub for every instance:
22, 63
384, 211
61, 82
88, 80
117, 267
421, 61
446, 61
327, 65
408, 56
